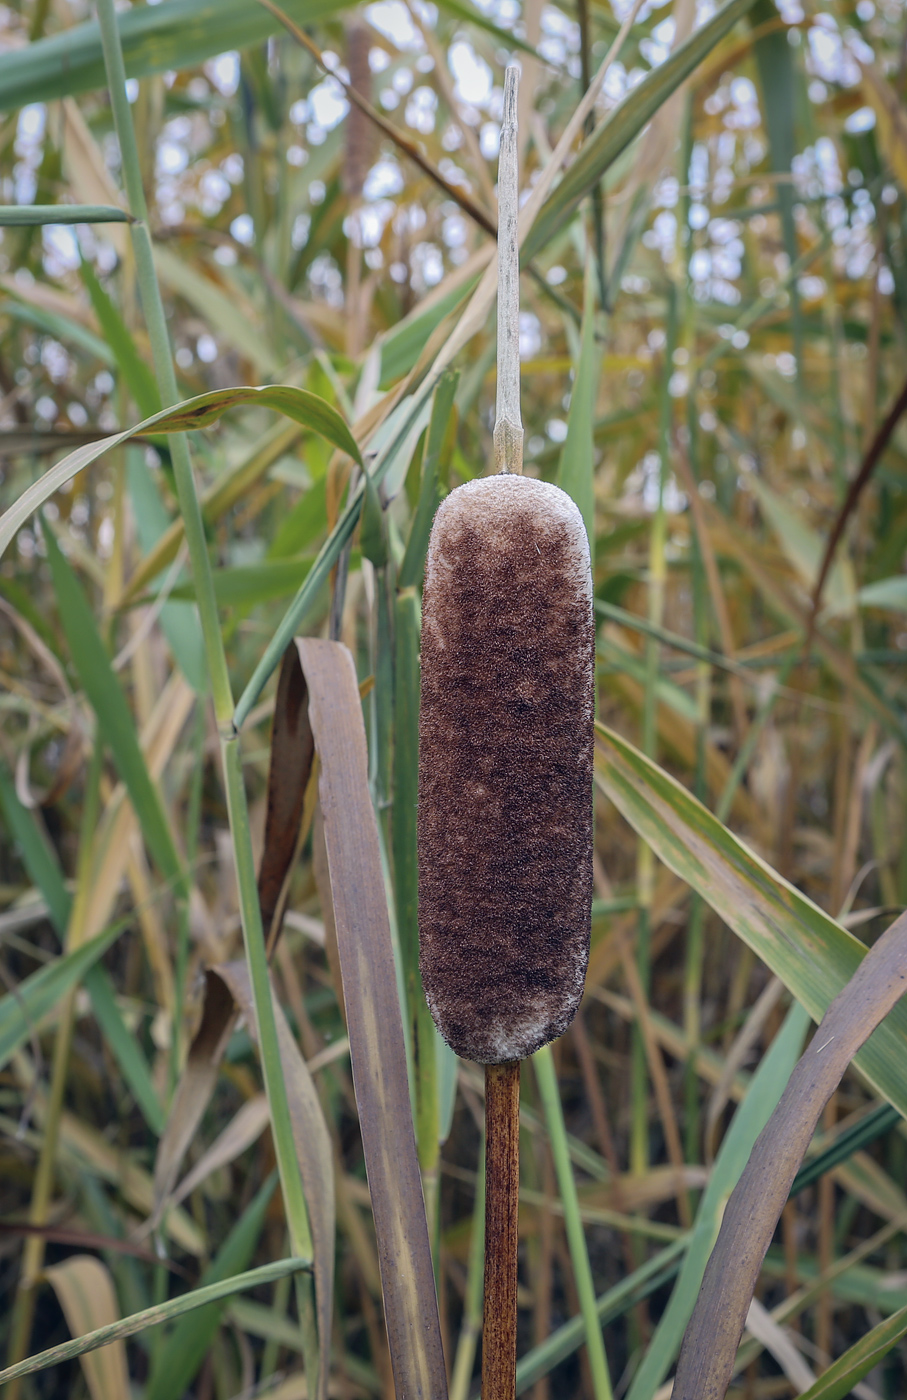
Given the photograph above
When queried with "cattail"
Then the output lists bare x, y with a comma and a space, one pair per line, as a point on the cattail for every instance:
505, 770
505, 779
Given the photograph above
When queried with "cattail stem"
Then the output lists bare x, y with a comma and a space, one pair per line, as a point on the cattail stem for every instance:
502, 1194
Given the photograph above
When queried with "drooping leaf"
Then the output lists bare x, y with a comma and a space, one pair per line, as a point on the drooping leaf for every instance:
814, 956
299, 404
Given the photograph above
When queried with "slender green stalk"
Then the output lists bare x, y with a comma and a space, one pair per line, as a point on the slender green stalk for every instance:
275, 1087
31, 215
288, 1164
253, 936
546, 1078
161, 353
655, 1273
193, 818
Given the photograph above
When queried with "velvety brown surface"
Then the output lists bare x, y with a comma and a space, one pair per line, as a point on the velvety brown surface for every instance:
505, 767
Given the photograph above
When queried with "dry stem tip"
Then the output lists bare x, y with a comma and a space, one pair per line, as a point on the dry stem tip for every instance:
508, 428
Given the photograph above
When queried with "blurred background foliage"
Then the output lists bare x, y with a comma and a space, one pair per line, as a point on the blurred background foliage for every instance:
710, 347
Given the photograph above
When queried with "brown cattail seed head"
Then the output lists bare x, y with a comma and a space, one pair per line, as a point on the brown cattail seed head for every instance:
505, 767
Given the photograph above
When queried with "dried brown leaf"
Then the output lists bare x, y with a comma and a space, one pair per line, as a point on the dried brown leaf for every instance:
292, 754
195, 1087
375, 1026
86, 1294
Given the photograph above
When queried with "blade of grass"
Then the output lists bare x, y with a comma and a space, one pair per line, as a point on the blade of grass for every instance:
855, 1139
314, 1153
177, 34
41, 864
543, 1063
110, 705
199, 412
179, 621
53, 323
275, 1085
30, 215
844, 1374
753, 1113
709, 1348
813, 955
621, 125
778, 80
154, 1316
35, 997
471, 1326
564, 1341
411, 568
177, 1361
136, 372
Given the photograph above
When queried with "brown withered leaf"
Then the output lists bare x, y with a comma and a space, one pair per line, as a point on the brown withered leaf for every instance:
373, 1017
244, 1128
292, 755
195, 1087
323, 886
709, 1348
85, 1292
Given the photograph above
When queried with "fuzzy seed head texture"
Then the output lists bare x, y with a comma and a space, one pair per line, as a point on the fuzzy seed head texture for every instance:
505, 767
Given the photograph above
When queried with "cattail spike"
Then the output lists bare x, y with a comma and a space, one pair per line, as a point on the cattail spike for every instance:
508, 428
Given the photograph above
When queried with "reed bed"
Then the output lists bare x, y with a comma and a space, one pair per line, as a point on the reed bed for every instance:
247, 345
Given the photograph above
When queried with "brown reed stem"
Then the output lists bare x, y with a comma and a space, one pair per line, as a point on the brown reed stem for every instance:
502, 1195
